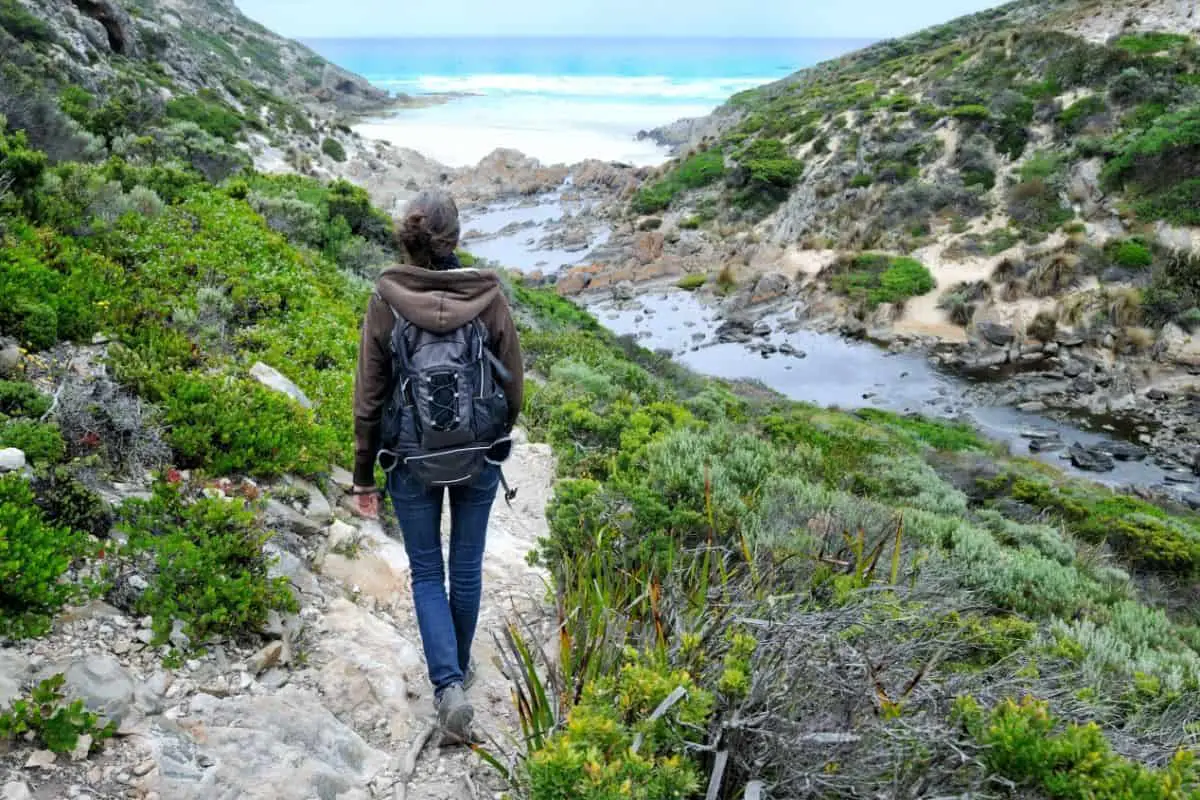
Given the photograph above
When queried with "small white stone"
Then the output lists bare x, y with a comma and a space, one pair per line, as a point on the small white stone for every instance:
11, 460
40, 759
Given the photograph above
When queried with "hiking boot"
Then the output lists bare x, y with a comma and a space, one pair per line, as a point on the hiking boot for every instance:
454, 714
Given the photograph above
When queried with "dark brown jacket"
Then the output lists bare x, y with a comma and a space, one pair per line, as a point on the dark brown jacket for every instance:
437, 301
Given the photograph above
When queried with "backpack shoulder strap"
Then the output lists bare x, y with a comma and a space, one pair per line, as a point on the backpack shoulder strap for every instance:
399, 331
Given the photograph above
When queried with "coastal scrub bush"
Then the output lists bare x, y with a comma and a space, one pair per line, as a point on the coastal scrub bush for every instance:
694, 172
768, 164
206, 563
1174, 290
595, 753
873, 279
20, 399
1160, 168
34, 557
1129, 253
1035, 204
212, 115
334, 149
65, 501
42, 442
1078, 115
17, 20
45, 718
1025, 743
693, 281
1150, 43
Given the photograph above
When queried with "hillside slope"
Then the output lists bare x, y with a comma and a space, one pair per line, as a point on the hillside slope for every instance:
1058, 138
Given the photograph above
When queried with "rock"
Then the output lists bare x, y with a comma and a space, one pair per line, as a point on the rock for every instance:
1090, 459
1045, 445
1157, 396
273, 379
342, 477
317, 509
105, 686
266, 658
280, 514
40, 759
278, 747
1069, 340
16, 790
11, 460
10, 359
648, 246
14, 672
1083, 385
1124, 451
623, 291
1196, 464
761, 329
770, 286
996, 333
1178, 346
1073, 369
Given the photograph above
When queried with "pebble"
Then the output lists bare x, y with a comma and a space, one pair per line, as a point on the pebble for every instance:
144, 768
40, 759
17, 790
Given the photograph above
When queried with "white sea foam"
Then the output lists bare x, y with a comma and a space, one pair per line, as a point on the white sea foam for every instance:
554, 130
648, 88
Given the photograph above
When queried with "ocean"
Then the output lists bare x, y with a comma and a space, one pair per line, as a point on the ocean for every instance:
561, 100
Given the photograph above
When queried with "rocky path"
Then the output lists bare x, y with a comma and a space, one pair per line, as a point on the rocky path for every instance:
330, 708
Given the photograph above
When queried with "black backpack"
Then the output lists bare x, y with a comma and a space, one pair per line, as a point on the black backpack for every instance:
446, 415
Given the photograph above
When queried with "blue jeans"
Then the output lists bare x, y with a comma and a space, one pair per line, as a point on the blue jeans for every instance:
447, 624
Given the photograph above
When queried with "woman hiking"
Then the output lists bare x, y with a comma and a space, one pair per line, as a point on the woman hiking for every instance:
438, 388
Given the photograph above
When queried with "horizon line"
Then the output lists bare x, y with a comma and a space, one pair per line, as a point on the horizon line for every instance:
593, 37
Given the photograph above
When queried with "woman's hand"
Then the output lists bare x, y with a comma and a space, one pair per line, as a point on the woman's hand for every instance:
366, 501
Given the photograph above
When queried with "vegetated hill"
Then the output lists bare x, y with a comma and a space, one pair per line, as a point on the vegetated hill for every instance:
1076, 117
83, 77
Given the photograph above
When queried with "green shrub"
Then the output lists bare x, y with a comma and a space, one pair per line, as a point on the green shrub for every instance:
861, 180
1075, 117
693, 281
66, 502
1160, 167
971, 113
34, 557
54, 723
769, 164
19, 399
41, 442
594, 756
212, 115
1035, 204
694, 172
1025, 743
18, 21
334, 149
875, 279
208, 567
1151, 43
1129, 253
239, 426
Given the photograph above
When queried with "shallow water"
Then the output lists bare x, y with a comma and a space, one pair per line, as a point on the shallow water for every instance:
835, 372
519, 249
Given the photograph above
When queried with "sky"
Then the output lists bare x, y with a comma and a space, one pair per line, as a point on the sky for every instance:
868, 19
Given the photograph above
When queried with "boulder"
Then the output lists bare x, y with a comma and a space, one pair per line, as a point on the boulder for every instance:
285, 746
11, 460
10, 358
1091, 459
648, 246
996, 333
770, 286
274, 379
105, 686
117, 24
1124, 451
14, 670
16, 790
1178, 346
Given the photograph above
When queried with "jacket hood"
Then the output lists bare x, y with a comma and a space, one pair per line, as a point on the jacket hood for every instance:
438, 300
